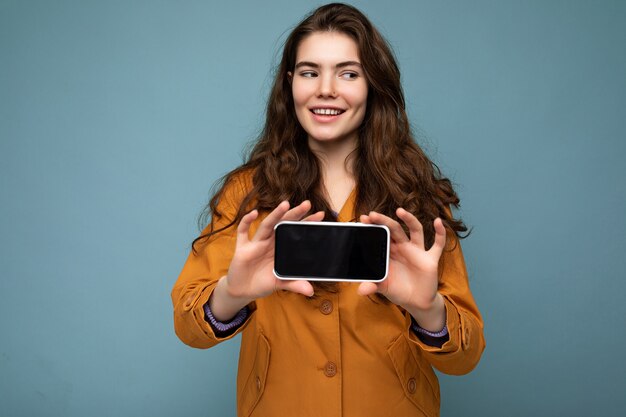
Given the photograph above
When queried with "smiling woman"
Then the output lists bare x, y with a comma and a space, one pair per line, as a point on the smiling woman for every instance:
330, 98
337, 147
329, 90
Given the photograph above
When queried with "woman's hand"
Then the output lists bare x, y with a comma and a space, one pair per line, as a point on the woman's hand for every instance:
250, 275
412, 281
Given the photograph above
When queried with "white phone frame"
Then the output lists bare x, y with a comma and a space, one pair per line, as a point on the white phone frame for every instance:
335, 224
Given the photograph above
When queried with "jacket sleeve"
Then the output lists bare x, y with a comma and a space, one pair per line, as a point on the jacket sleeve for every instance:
200, 275
461, 353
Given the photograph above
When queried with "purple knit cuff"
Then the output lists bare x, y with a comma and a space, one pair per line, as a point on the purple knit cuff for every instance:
433, 339
229, 326
417, 329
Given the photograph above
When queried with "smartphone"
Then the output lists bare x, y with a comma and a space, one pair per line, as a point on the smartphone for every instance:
329, 251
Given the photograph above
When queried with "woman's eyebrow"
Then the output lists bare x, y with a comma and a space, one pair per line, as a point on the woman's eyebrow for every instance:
339, 65
349, 64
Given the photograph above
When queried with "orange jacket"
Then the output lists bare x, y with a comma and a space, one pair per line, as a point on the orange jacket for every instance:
336, 354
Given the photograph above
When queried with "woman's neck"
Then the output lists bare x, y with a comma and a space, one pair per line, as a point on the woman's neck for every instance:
334, 155
336, 163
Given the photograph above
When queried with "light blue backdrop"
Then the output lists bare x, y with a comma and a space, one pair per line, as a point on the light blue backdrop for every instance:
116, 117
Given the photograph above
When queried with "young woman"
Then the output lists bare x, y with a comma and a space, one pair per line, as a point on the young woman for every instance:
336, 146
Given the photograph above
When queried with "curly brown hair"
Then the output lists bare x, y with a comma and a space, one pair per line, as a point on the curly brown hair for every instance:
390, 169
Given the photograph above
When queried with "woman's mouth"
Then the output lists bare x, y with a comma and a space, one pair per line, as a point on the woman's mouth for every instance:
327, 112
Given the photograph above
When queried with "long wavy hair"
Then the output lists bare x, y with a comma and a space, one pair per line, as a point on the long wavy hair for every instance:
390, 169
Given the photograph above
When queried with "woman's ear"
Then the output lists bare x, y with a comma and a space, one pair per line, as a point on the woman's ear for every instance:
289, 77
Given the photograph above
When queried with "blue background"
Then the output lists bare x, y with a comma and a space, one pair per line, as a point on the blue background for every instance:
116, 117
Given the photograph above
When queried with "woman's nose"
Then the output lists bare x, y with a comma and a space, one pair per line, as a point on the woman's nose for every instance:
326, 86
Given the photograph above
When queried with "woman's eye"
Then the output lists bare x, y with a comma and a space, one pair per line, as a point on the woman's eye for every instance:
350, 75
308, 74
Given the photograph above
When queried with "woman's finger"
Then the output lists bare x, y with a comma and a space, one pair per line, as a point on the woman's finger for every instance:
297, 212
244, 227
266, 228
315, 217
397, 233
415, 227
440, 238
367, 288
297, 286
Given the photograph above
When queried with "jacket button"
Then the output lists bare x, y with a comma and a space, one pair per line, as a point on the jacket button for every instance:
188, 304
411, 386
330, 370
258, 383
326, 307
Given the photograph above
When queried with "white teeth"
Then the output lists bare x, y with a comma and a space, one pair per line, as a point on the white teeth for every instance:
327, 112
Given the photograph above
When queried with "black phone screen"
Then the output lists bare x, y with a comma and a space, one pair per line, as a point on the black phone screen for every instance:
331, 251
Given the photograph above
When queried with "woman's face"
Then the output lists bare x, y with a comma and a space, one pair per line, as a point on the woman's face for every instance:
329, 88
